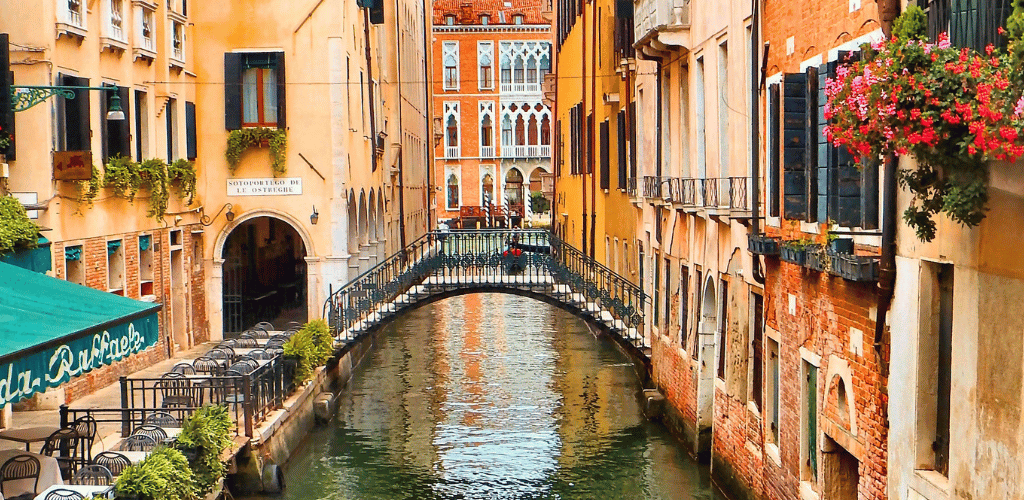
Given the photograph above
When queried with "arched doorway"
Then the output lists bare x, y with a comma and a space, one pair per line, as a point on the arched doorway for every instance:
264, 275
539, 203
706, 343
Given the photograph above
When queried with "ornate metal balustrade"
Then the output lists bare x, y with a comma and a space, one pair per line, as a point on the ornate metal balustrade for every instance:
517, 261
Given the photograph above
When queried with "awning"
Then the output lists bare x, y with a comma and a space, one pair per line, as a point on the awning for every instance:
35, 259
52, 330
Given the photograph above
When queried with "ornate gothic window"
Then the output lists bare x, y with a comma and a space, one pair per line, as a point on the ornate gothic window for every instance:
453, 192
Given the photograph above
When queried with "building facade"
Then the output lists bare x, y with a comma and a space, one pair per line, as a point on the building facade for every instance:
493, 130
113, 239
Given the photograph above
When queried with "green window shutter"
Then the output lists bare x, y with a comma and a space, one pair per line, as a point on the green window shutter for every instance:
621, 148
869, 194
964, 21
774, 116
825, 150
794, 147
282, 112
191, 145
233, 91
605, 160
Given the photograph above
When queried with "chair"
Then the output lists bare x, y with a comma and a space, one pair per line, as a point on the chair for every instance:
137, 442
162, 419
221, 352
230, 343
275, 351
205, 364
233, 389
247, 341
17, 468
112, 460
93, 475
242, 367
64, 494
85, 426
258, 355
154, 431
62, 445
184, 369
274, 344
283, 337
265, 326
176, 391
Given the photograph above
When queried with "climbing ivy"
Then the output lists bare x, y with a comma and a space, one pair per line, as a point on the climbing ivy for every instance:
154, 176
16, 229
122, 175
241, 140
127, 177
183, 173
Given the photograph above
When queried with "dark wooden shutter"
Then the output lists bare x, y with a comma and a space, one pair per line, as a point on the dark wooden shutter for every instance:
811, 157
117, 134
190, 131
560, 151
233, 91
848, 184
826, 159
591, 150
278, 60
869, 194
6, 106
621, 149
632, 139
794, 147
774, 135
605, 153
75, 113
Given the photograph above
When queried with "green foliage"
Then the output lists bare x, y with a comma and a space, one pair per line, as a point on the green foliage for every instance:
1015, 23
183, 173
911, 25
90, 188
312, 346
154, 176
163, 475
540, 203
801, 244
122, 174
16, 229
207, 432
243, 139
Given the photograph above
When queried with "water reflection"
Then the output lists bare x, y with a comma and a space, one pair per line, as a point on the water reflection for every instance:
492, 396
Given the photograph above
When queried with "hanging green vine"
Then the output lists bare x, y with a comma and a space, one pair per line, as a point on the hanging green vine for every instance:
16, 229
122, 174
88, 190
154, 176
241, 140
183, 173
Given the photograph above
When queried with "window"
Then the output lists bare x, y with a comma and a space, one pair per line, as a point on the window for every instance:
698, 99
973, 24
453, 192
935, 355
146, 265
545, 131
115, 267
453, 132
485, 19
74, 265
116, 133
117, 19
698, 297
669, 293
772, 148
723, 326
486, 132
451, 65
621, 147
74, 12
757, 347
605, 156
657, 289
171, 129
254, 90
485, 55
486, 190
178, 41
449, 20
145, 36
723, 109
772, 418
809, 437
517, 19
684, 303
74, 133
191, 144
506, 131
141, 125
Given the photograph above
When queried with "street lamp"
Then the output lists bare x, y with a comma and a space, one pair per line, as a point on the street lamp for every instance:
314, 217
115, 113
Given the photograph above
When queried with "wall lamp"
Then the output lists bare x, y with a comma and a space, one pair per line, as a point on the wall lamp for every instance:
206, 220
314, 217
26, 96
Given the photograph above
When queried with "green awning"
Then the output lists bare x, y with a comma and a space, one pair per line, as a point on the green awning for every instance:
53, 330
35, 259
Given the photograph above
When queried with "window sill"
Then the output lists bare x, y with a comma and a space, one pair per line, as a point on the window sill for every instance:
176, 63
930, 484
144, 3
753, 409
142, 53
772, 451
174, 16
71, 30
113, 44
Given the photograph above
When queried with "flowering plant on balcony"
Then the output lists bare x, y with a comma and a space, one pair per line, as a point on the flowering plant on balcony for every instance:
953, 109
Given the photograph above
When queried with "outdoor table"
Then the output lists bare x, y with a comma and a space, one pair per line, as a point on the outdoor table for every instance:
88, 491
49, 473
134, 456
242, 351
172, 432
29, 435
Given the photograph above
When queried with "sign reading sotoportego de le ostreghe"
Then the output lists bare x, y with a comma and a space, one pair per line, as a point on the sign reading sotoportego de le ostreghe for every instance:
265, 186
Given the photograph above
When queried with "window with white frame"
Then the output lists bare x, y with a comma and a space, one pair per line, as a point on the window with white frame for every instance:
453, 193
486, 114
450, 56
73, 12
451, 129
115, 20
485, 58
145, 35
178, 41
523, 65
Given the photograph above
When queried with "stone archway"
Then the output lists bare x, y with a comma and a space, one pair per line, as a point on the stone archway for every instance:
306, 297
706, 341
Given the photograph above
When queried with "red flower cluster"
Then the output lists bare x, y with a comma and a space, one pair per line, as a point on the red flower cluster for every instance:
515, 252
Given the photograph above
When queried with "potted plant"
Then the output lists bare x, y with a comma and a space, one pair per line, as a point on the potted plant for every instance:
760, 244
840, 245
795, 251
857, 267
817, 258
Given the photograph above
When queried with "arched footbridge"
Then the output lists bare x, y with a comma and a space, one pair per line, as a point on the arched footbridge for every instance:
532, 263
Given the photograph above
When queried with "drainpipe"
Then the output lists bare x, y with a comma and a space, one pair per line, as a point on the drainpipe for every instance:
428, 113
755, 135
369, 86
591, 130
583, 109
401, 134
887, 264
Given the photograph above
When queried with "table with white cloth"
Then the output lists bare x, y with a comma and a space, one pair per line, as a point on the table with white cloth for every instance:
28, 435
87, 491
134, 456
49, 474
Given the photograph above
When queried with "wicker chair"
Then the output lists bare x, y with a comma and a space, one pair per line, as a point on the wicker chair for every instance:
184, 369
205, 364
259, 355
112, 460
62, 445
18, 468
221, 352
176, 391
162, 419
154, 431
93, 475
265, 326
85, 426
247, 341
64, 494
244, 366
138, 442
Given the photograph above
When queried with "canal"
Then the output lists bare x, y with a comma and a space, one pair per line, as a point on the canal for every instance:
493, 396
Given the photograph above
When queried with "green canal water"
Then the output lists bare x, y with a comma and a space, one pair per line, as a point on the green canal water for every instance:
493, 397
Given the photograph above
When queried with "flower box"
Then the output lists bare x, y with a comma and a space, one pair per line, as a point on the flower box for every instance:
759, 244
793, 254
857, 267
816, 259
841, 245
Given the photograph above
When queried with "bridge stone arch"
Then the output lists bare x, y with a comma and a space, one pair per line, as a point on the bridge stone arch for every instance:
531, 263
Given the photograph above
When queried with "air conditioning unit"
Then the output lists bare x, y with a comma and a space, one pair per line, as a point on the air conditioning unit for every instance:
611, 98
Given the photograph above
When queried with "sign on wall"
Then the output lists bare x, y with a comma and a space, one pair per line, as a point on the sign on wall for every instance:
265, 186
72, 165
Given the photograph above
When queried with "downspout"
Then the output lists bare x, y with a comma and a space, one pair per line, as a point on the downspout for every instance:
369, 85
583, 108
556, 153
428, 113
591, 130
401, 134
755, 135
887, 264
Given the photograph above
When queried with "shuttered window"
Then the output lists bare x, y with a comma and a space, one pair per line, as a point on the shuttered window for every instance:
794, 145
774, 104
6, 80
605, 152
254, 90
191, 145
73, 116
621, 149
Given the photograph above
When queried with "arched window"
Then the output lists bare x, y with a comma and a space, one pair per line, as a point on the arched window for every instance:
517, 75
520, 131
506, 131
514, 187
533, 130
452, 136
506, 70
531, 70
486, 132
453, 192
451, 72
545, 131
517, 19
487, 190
486, 73
545, 66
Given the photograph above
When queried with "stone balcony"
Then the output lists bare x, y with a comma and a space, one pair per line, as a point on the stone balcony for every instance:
661, 26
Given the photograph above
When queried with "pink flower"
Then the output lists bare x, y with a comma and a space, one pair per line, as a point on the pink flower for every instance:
1019, 110
943, 41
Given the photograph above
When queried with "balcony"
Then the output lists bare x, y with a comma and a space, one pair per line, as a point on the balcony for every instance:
487, 151
526, 151
520, 88
452, 152
724, 196
660, 26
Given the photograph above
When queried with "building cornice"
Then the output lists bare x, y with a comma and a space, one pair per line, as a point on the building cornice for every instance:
493, 28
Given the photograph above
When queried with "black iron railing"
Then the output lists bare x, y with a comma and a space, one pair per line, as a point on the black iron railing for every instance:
532, 260
631, 187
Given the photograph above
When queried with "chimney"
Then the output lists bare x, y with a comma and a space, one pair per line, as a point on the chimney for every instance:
466, 16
